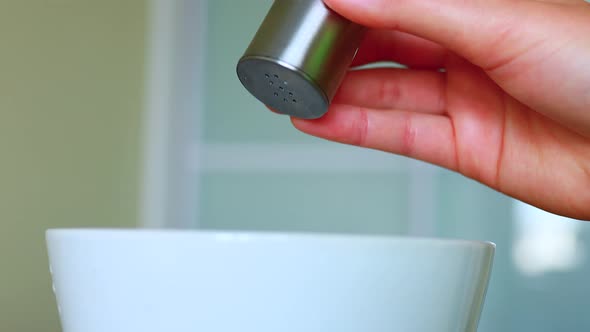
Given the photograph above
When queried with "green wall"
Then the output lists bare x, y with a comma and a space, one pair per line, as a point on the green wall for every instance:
71, 76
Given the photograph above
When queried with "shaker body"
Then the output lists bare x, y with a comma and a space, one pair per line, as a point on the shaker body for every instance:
299, 56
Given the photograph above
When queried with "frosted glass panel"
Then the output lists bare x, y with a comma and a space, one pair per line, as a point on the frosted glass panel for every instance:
343, 203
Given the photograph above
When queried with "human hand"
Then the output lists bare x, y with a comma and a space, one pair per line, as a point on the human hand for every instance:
511, 108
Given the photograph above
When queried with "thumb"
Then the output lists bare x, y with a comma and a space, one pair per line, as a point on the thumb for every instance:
489, 33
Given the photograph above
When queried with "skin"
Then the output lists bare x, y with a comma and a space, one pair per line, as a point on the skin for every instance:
511, 109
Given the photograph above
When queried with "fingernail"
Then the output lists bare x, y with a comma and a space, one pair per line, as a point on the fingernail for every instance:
350, 3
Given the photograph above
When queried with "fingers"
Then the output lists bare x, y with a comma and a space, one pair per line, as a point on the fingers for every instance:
421, 91
426, 137
486, 32
524, 46
400, 47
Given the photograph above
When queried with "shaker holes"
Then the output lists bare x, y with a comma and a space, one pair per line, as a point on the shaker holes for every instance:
281, 90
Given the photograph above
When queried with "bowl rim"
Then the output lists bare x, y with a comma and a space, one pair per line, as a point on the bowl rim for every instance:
268, 236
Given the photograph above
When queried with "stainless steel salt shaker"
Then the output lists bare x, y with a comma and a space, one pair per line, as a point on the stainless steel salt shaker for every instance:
299, 56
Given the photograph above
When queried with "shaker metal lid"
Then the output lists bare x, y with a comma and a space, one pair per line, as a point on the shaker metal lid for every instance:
282, 87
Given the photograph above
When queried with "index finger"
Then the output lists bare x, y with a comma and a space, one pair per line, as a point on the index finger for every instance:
403, 48
486, 32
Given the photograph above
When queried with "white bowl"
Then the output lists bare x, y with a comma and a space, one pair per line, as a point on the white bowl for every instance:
197, 281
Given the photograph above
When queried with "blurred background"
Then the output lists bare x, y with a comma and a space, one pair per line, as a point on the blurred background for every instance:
129, 114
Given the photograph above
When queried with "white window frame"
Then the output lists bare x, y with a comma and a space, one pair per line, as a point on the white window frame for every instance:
176, 31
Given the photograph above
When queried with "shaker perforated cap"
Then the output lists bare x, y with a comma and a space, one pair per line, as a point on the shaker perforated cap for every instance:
282, 87
299, 56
